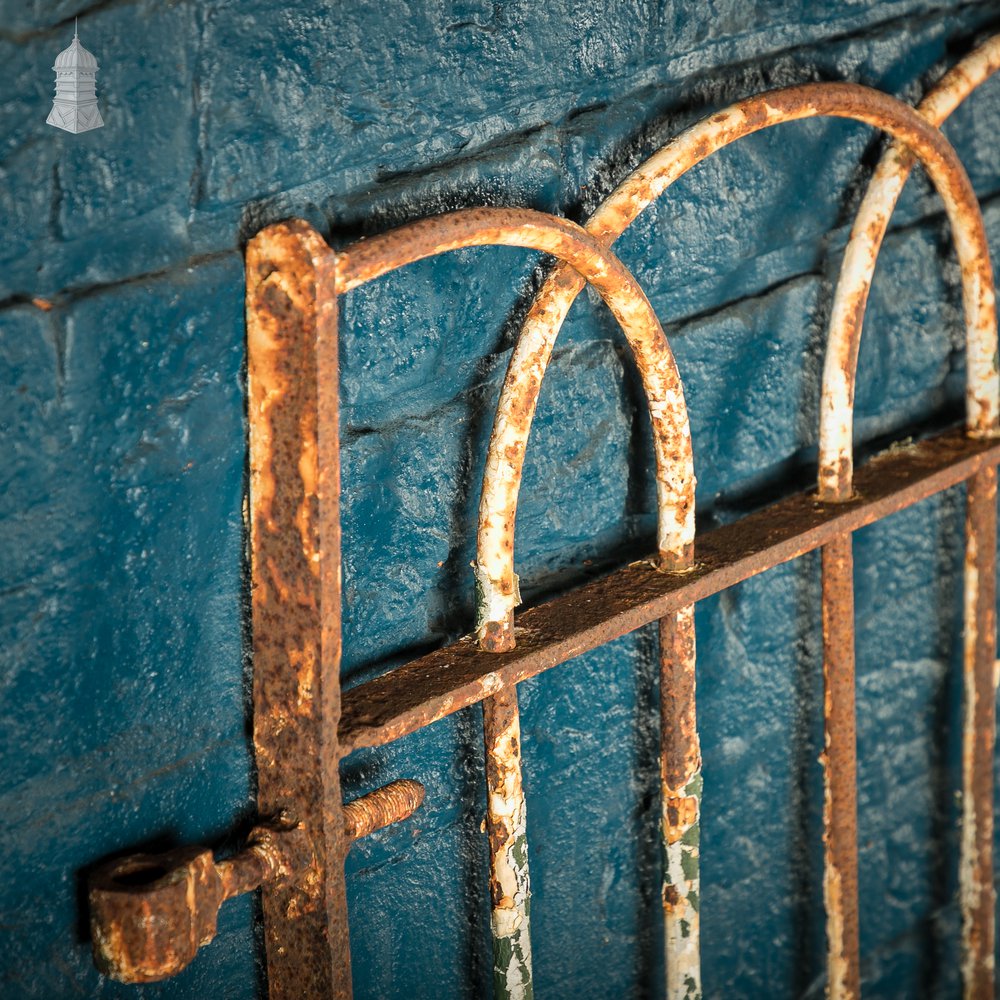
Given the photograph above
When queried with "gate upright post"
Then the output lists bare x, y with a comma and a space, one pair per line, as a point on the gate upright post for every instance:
978, 895
296, 580
840, 773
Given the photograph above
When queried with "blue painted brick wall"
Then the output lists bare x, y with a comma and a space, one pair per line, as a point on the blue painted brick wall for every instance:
123, 660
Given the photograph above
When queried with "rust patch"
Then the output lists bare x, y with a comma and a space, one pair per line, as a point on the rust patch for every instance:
390, 804
149, 914
510, 888
680, 748
976, 887
498, 637
295, 566
840, 804
679, 814
680, 790
458, 675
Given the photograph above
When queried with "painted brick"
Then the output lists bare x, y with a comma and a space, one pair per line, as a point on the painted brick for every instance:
122, 621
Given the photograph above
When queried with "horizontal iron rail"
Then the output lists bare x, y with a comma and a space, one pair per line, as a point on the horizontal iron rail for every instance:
459, 675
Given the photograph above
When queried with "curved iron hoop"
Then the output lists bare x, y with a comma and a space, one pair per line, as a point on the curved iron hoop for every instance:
836, 460
680, 759
370, 258
519, 395
977, 895
586, 259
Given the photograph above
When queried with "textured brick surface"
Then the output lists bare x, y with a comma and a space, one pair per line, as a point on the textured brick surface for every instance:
123, 714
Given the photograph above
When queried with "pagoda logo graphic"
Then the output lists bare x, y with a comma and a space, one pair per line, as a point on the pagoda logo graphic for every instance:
75, 106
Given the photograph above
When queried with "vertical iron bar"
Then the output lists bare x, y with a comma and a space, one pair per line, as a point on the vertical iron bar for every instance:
510, 891
295, 562
840, 766
681, 786
978, 897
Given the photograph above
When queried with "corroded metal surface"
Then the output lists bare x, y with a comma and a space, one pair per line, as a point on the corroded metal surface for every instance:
295, 563
835, 483
519, 396
976, 887
375, 256
510, 889
839, 758
858, 269
588, 261
150, 913
583, 259
456, 676
495, 552
680, 802
386, 805
840, 773
144, 932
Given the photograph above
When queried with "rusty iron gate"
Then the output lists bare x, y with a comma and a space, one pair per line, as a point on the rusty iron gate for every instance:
150, 914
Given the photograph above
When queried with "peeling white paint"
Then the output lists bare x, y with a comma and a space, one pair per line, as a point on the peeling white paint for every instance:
493, 604
833, 900
682, 890
510, 889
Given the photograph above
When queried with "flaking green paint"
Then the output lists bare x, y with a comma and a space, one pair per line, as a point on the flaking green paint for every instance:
681, 877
